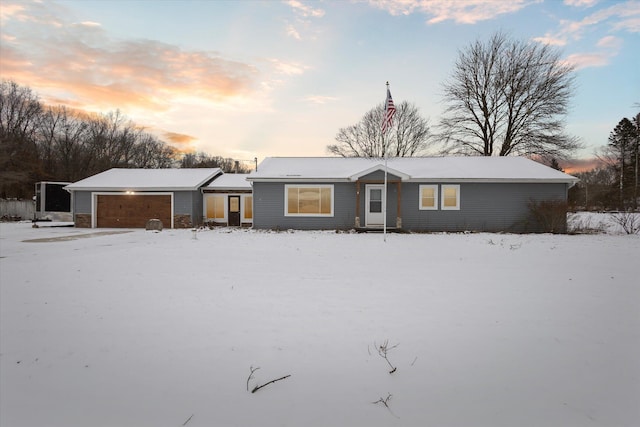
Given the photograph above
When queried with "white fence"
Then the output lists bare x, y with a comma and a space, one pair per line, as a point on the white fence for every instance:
23, 209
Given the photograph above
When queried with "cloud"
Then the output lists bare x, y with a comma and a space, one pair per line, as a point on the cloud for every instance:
461, 12
305, 10
586, 60
90, 24
8, 11
320, 99
581, 165
79, 62
551, 40
619, 17
304, 14
610, 43
581, 3
182, 142
607, 48
293, 32
288, 68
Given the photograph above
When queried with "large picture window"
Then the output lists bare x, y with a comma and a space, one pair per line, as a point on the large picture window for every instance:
450, 197
216, 206
308, 200
428, 197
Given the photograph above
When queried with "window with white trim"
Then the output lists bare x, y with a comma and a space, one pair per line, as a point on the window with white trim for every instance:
248, 207
450, 197
216, 208
308, 200
428, 197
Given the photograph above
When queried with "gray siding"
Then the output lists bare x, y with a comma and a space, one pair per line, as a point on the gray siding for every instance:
197, 208
268, 209
81, 202
188, 203
483, 207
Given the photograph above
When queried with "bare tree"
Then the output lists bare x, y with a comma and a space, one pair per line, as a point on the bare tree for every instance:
204, 160
20, 164
508, 97
408, 136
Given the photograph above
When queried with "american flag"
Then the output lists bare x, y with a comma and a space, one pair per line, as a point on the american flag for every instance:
389, 111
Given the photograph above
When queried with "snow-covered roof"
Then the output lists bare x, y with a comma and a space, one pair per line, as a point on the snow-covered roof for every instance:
146, 180
420, 169
230, 181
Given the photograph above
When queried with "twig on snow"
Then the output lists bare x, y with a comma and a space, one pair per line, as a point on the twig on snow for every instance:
383, 349
252, 369
188, 419
385, 402
258, 387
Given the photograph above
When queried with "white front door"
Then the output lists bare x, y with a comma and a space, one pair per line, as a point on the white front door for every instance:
373, 215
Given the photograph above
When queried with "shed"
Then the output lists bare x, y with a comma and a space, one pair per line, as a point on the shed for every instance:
422, 193
128, 198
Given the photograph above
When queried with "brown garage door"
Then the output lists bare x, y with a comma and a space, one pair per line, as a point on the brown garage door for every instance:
132, 210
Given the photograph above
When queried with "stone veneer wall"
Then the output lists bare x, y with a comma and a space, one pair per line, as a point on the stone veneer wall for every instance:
83, 220
182, 221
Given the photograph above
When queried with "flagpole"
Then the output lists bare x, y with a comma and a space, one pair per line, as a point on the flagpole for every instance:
387, 120
384, 193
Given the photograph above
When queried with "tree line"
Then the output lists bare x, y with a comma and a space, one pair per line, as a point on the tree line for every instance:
39, 142
614, 184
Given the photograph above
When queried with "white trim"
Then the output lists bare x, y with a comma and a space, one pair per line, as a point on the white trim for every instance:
286, 200
367, 213
403, 176
435, 197
450, 208
94, 202
243, 197
225, 197
225, 206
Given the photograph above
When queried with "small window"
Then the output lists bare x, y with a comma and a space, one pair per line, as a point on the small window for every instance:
308, 200
248, 207
215, 206
451, 197
428, 197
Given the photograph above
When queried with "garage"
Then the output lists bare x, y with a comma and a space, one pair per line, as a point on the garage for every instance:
128, 198
132, 210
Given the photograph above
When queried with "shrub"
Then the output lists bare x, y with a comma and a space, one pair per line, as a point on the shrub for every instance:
550, 216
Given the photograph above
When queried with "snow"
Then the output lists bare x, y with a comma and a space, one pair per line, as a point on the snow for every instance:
161, 329
235, 181
146, 179
487, 169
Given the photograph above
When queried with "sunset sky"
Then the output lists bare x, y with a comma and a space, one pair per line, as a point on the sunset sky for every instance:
247, 79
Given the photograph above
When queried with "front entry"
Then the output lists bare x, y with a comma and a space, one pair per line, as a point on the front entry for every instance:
373, 215
234, 211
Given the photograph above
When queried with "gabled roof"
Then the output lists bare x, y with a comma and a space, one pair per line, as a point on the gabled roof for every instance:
146, 180
230, 181
411, 169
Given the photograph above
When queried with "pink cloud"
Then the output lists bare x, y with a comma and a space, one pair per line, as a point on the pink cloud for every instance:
462, 12
79, 63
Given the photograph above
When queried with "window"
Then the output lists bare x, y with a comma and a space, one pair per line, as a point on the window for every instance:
428, 197
451, 197
215, 206
248, 207
308, 200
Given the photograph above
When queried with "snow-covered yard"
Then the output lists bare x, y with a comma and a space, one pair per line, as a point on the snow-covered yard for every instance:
161, 329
